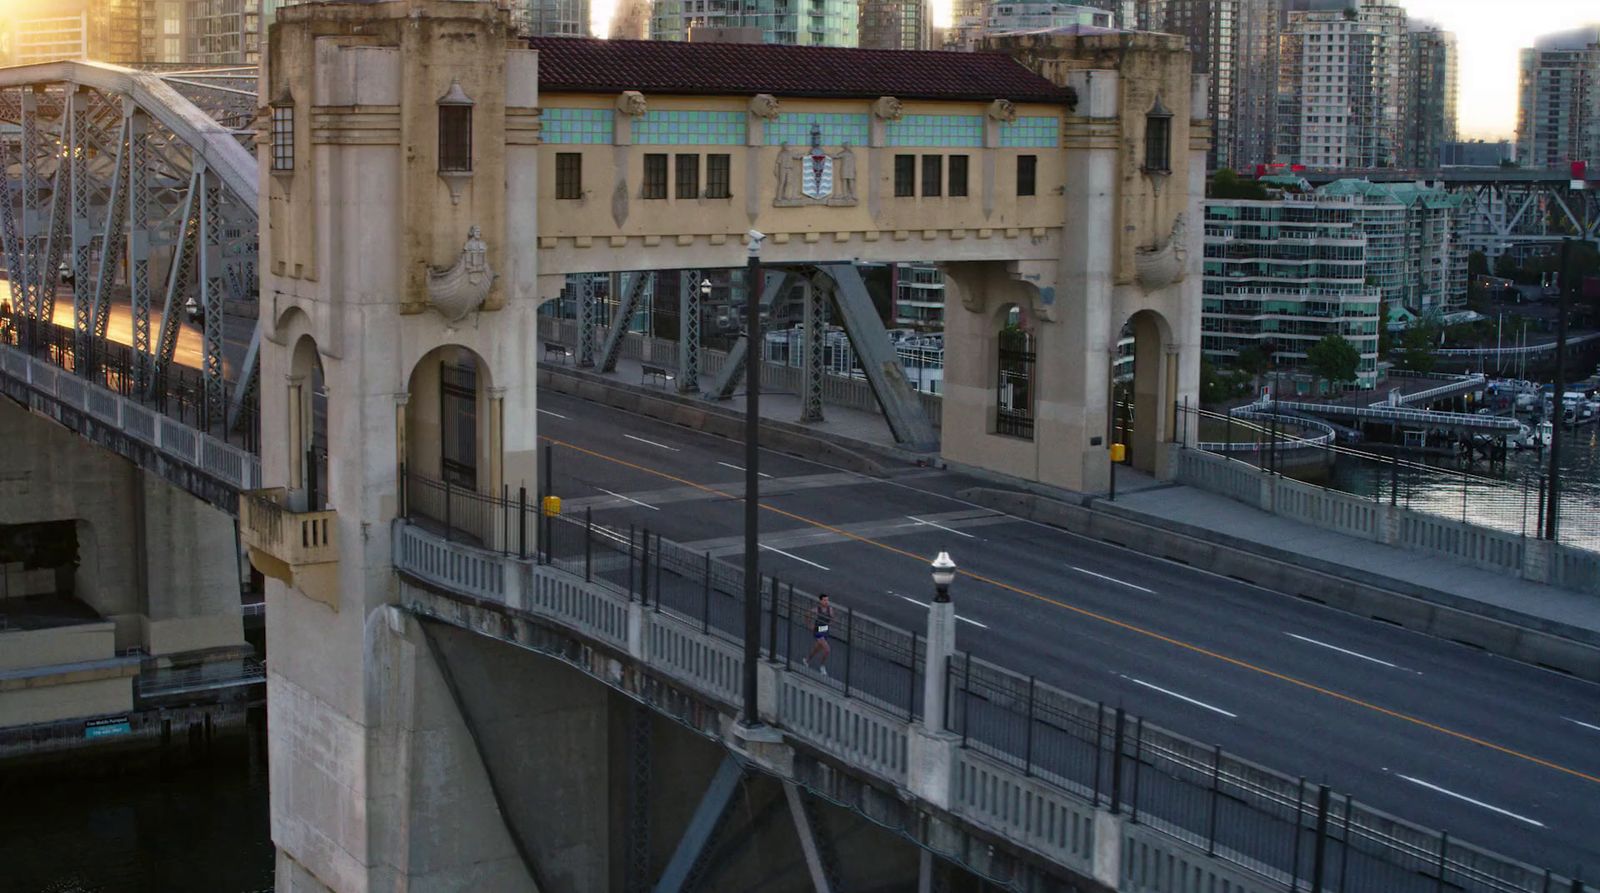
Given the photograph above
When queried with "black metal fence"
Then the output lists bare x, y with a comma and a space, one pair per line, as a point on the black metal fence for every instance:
1304, 836
175, 391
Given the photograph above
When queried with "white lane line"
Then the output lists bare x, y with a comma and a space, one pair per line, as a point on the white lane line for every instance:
1505, 812
1342, 650
1185, 698
651, 442
741, 468
548, 412
647, 505
941, 527
791, 555
1581, 723
921, 604
1113, 580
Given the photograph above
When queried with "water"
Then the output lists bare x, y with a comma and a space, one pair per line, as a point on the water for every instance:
1503, 498
201, 828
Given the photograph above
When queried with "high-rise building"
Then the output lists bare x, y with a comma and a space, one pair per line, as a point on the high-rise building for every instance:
1042, 15
896, 24
1558, 115
1212, 28
1417, 253
54, 30
551, 18
222, 32
1255, 89
833, 23
1476, 153
1340, 83
1283, 273
1428, 111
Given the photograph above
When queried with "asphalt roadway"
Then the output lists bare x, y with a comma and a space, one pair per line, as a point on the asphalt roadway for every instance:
1499, 754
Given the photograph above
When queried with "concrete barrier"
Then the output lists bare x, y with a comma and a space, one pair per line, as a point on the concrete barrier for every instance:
1533, 640
699, 416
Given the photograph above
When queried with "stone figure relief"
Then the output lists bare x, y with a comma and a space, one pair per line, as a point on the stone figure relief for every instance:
461, 288
765, 105
632, 103
845, 165
1160, 265
888, 108
1003, 110
784, 171
815, 177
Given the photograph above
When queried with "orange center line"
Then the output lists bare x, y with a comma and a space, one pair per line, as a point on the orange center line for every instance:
1102, 618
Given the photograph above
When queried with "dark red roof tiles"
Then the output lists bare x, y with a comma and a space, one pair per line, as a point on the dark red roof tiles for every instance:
570, 65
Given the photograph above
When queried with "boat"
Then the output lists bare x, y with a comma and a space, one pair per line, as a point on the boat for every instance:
1542, 434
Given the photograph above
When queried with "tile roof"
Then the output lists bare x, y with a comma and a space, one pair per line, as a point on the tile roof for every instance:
571, 65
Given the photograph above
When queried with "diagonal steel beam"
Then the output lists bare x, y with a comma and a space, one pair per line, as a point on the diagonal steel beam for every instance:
212, 269
139, 239
78, 139
32, 230
902, 408
702, 825
111, 242
618, 330
732, 371
178, 275
244, 382
9, 230
56, 242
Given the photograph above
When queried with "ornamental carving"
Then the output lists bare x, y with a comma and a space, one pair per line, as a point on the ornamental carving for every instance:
765, 105
814, 177
888, 108
632, 104
1158, 266
460, 288
1003, 110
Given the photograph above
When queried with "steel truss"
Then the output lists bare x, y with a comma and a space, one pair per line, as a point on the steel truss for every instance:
1512, 213
125, 182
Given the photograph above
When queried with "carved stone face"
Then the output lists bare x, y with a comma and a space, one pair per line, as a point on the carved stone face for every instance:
631, 103
765, 105
888, 108
1003, 110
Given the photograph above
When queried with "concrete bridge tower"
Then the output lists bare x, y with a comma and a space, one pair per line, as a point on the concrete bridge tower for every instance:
397, 297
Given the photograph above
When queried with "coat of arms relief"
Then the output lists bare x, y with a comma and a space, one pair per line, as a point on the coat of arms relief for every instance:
815, 177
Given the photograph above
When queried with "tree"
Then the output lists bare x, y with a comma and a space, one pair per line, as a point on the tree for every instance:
1334, 359
1477, 264
1416, 348
1225, 183
1505, 267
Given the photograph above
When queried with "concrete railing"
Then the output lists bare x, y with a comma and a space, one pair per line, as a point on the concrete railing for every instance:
296, 538
1536, 560
1035, 814
223, 462
837, 390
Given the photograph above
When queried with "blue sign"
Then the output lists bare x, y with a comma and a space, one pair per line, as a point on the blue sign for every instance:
99, 728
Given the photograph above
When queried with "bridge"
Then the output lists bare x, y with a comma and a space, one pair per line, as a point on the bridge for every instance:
440, 642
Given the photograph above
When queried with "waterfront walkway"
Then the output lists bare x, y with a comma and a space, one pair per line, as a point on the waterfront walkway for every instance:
1223, 521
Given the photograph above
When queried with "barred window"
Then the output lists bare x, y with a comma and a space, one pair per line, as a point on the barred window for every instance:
569, 175
1158, 138
688, 176
283, 137
455, 138
905, 175
655, 176
932, 175
1027, 172
958, 175
719, 182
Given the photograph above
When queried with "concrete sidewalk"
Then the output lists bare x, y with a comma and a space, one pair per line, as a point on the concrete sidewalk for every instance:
1217, 519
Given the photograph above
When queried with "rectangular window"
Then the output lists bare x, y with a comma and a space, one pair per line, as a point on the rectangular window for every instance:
458, 431
455, 138
958, 176
1027, 171
1157, 143
719, 182
655, 176
932, 174
905, 175
688, 185
569, 175
283, 138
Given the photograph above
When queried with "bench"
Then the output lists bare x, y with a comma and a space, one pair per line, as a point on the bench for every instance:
661, 374
558, 350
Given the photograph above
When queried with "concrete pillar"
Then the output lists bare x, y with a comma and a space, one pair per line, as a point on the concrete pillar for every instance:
192, 572
934, 753
941, 644
1107, 837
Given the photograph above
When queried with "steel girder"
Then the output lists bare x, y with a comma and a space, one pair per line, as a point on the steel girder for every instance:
98, 160
688, 331
1515, 212
635, 287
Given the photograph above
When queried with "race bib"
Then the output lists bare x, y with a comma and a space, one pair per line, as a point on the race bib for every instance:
822, 627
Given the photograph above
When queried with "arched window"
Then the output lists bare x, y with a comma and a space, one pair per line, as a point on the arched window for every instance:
1158, 139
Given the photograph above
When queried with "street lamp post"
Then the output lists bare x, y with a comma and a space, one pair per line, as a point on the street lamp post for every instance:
752, 430
941, 645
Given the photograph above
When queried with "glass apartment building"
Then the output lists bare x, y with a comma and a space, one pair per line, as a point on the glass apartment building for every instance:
1418, 249
1558, 112
1281, 274
834, 23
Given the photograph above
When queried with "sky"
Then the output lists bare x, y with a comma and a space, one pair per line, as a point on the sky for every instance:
1488, 35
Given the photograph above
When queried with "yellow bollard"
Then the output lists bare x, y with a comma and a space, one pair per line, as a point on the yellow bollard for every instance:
1119, 452
552, 505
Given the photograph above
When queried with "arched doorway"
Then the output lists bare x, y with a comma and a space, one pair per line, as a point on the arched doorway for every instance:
308, 428
449, 451
1143, 382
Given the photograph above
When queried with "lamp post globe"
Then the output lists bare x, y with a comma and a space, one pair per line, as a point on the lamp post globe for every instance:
944, 573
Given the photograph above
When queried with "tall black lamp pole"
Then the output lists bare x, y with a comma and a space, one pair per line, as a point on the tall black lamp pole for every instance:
752, 429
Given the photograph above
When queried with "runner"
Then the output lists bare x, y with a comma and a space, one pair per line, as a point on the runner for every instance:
821, 619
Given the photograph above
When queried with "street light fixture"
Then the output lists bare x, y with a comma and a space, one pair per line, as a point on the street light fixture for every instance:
944, 573
752, 462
